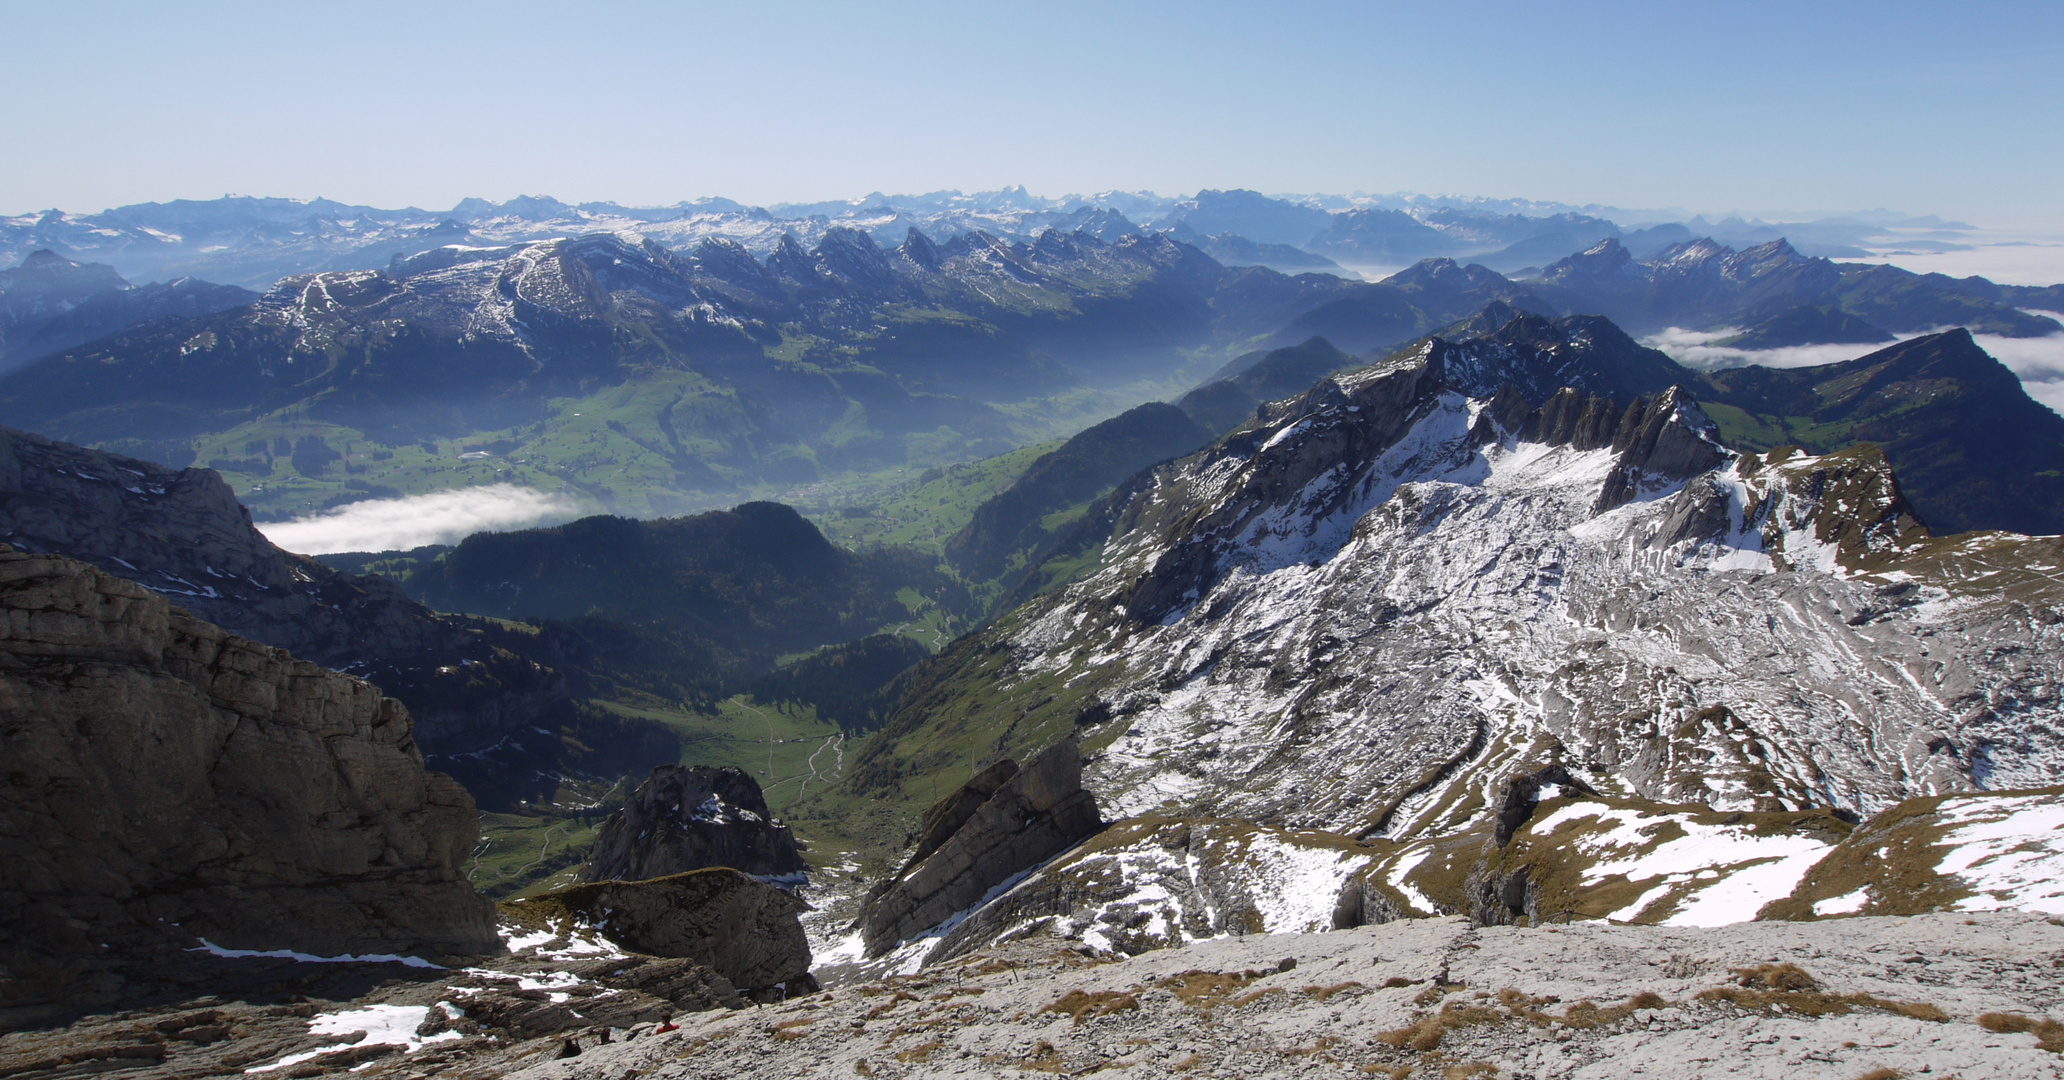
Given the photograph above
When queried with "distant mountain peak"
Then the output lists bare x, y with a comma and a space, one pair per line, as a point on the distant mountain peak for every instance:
919, 249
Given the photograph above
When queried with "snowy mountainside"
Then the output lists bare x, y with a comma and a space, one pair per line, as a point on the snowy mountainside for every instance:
1371, 608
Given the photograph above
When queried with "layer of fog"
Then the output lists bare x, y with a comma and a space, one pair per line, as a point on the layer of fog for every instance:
2038, 361
2005, 258
438, 517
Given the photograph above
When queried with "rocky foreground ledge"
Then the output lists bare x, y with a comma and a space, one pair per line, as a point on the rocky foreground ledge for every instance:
1935, 996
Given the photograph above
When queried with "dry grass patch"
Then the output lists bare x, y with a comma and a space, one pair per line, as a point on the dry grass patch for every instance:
1396, 981
1772, 986
1589, 1014
919, 1052
1427, 1032
1188, 1063
1206, 989
792, 1029
1085, 1007
1395, 1072
1786, 976
886, 1007
1882, 1074
1321, 993
2049, 1034
1043, 1058
1469, 1070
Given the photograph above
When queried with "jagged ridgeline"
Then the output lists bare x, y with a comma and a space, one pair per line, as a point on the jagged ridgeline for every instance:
707, 371
1535, 549
652, 381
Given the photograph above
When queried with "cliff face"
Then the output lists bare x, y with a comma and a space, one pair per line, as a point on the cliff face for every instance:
1005, 821
183, 533
692, 818
167, 780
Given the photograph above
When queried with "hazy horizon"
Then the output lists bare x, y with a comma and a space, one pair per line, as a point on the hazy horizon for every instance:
1921, 106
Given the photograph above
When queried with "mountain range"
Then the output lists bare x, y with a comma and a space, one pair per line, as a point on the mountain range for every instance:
643, 380
1406, 609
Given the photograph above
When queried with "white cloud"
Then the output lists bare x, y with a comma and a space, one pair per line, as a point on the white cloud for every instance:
2007, 258
439, 517
2038, 361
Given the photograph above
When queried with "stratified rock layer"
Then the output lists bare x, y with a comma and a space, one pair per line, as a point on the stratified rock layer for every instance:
1033, 814
182, 532
744, 929
167, 780
686, 818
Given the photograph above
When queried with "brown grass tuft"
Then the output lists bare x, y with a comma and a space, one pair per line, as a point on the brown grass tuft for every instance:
787, 1029
1085, 1007
2049, 1034
1882, 1074
919, 1052
1044, 1058
1205, 989
1786, 976
1188, 1063
1321, 993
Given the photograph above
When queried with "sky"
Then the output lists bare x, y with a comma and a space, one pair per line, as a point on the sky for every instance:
1767, 108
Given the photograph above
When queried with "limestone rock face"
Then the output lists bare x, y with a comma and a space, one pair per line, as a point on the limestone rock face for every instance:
743, 928
1031, 815
692, 818
167, 780
181, 532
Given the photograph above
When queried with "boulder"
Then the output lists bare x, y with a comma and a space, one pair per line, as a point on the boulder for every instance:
743, 928
1025, 817
169, 781
686, 818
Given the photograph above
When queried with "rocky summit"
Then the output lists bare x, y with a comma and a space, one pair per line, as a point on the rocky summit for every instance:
691, 818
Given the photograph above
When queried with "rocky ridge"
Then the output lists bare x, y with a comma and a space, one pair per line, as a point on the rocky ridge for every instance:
1965, 996
1000, 824
182, 533
737, 926
172, 781
1381, 606
685, 818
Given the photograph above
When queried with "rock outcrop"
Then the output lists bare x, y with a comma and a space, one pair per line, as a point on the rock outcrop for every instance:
742, 928
1004, 822
1941, 995
169, 781
182, 533
686, 818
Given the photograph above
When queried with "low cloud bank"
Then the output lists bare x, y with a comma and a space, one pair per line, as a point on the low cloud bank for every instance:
2038, 361
439, 517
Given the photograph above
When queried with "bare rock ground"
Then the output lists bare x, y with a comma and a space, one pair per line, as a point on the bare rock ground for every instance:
1945, 995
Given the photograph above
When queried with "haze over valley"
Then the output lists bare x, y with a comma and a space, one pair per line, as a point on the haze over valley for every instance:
1463, 541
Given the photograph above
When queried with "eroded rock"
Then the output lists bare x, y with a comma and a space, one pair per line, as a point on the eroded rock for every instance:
686, 818
1030, 816
168, 781
742, 928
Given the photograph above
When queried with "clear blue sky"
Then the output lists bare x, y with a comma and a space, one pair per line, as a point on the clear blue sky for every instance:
1951, 108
